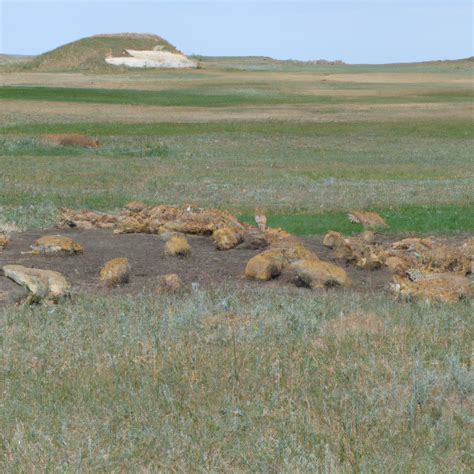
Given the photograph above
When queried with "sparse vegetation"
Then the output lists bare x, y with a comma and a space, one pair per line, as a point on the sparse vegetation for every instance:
232, 380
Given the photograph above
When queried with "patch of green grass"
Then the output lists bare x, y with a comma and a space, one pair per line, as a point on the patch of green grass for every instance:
435, 128
419, 219
178, 97
26, 146
172, 384
207, 97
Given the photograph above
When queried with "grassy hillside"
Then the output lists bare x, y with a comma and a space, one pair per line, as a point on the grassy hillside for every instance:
89, 53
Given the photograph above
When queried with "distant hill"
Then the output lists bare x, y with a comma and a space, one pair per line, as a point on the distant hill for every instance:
10, 59
88, 54
435, 62
262, 61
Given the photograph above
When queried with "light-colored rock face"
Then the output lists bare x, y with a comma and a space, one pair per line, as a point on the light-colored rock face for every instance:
178, 246
170, 284
115, 272
56, 244
318, 274
42, 284
152, 59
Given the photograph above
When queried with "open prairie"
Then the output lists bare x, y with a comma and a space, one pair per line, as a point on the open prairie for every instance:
290, 139
231, 376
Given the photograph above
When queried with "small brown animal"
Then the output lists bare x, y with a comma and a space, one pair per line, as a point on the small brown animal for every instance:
55, 244
261, 220
369, 220
72, 139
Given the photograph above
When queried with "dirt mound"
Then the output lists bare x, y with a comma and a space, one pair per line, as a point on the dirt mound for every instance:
425, 268
90, 53
206, 266
71, 139
416, 265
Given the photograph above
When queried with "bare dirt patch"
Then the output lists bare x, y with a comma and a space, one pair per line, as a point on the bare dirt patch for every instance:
206, 266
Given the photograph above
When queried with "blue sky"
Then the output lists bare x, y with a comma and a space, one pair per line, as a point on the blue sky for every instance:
357, 31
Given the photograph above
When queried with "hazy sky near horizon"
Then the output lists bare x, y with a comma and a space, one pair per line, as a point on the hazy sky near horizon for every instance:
356, 31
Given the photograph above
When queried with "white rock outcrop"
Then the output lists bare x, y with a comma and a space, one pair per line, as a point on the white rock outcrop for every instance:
152, 59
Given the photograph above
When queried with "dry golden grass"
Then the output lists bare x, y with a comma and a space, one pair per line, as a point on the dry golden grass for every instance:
178, 246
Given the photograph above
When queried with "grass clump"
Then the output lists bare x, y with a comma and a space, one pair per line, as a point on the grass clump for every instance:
231, 379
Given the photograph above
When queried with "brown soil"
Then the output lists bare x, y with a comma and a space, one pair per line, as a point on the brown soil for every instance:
146, 253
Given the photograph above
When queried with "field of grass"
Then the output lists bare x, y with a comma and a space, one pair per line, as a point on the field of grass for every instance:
286, 168
237, 380
221, 96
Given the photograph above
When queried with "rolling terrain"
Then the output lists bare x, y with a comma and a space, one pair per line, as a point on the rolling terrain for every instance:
227, 376
295, 142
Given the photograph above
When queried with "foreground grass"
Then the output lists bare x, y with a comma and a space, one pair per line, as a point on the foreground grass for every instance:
293, 382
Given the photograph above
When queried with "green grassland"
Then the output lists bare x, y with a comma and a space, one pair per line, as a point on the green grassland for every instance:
218, 96
287, 168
